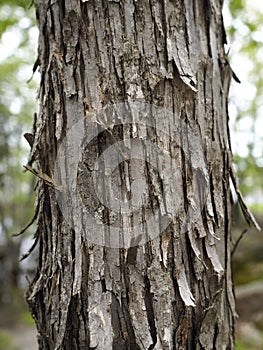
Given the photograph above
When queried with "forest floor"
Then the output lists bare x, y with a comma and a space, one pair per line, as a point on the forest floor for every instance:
17, 328
20, 337
248, 279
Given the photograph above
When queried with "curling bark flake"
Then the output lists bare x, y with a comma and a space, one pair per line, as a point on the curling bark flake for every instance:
175, 291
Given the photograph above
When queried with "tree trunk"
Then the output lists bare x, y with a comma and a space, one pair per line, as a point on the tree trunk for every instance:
133, 153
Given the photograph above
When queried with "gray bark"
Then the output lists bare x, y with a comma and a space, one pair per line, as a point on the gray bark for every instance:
173, 290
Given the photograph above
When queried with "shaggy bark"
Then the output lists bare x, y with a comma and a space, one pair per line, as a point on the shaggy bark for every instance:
173, 291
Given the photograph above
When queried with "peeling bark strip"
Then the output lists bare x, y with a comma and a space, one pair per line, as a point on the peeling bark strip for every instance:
172, 292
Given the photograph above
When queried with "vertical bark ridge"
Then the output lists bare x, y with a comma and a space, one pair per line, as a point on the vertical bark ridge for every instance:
174, 292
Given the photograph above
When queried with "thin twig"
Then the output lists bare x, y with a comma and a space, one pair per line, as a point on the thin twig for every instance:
47, 179
246, 212
24, 256
237, 241
27, 226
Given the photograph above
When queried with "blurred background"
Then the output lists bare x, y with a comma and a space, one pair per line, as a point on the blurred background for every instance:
18, 103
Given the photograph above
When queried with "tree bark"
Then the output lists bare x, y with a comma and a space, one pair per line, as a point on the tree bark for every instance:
170, 286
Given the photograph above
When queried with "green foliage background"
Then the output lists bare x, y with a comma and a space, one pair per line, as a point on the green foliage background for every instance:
245, 36
17, 106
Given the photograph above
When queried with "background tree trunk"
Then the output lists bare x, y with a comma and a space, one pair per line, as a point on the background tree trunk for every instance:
173, 291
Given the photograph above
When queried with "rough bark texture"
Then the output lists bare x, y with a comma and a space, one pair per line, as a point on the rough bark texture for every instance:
175, 291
